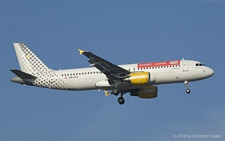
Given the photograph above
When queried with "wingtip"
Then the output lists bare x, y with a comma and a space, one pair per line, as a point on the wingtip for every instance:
80, 51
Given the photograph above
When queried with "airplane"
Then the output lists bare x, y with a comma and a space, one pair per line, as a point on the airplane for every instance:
140, 79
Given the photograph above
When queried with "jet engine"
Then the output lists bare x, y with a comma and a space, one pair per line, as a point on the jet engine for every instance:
140, 78
147, 92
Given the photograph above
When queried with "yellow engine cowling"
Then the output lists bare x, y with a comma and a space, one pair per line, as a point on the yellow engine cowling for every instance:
140, 78
147, 92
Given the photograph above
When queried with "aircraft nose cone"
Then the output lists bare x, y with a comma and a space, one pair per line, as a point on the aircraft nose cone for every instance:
210, 72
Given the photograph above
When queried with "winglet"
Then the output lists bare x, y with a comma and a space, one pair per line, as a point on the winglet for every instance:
80, 51
107, 93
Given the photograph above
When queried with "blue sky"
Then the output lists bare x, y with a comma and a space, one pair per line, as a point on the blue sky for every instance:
122, 32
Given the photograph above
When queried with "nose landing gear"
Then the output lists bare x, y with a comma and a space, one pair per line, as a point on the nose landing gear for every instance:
187, 88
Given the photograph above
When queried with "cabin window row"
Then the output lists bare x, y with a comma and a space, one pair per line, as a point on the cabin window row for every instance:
158, 67
80, 73
84, 73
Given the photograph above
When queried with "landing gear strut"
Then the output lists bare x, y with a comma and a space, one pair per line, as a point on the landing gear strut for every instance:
187, 88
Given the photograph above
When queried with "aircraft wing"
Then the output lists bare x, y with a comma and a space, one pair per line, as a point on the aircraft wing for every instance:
111, 70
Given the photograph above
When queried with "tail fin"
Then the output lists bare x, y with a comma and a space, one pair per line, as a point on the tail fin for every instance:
28, 61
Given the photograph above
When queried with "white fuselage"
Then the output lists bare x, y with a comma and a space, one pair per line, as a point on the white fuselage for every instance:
87, 78
137, 79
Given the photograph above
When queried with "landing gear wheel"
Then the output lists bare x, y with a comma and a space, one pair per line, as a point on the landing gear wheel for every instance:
188, 91
115, 92
121, 100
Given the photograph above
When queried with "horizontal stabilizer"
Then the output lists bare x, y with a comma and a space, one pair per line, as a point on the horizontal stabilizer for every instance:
23, 75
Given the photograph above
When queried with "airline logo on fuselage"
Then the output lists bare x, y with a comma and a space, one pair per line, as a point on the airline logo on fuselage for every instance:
158, 64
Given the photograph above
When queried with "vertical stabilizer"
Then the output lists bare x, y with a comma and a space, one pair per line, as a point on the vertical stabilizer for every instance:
28, 61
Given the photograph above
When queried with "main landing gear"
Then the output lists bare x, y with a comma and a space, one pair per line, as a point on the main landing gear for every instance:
120, 99
187, 88
115, 92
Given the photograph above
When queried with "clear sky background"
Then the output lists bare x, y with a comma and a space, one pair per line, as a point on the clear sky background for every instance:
121, 31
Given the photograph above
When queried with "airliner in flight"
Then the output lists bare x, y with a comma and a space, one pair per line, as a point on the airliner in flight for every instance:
139, 79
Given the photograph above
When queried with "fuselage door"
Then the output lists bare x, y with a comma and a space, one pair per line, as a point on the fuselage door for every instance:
185, 65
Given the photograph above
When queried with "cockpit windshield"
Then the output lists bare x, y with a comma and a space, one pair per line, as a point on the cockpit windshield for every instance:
199, 64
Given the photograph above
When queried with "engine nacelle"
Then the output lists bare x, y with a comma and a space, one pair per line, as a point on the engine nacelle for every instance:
140, 78
147, 92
